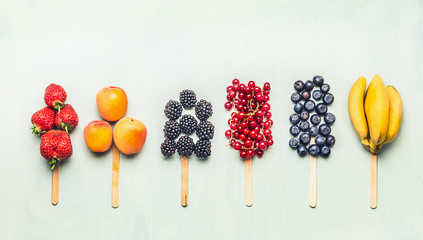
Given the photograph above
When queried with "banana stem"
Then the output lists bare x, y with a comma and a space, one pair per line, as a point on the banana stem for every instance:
373, 180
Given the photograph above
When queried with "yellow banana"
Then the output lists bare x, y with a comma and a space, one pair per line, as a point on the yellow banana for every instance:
376, 80
356, 109
395, 114
377, 112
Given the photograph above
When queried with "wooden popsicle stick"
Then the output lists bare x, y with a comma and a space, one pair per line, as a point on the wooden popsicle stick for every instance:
184, 181
115, 177
313, 179
248, 183
55, 185
373, 180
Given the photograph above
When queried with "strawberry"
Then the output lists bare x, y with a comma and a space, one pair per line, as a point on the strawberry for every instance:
66, 119
55, 96
55, 146
42, 120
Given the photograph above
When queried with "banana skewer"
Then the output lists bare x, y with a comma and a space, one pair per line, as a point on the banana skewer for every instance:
376, 119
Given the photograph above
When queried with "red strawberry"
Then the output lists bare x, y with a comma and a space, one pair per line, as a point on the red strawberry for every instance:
55, 146
66, 119
55, 96
42, 120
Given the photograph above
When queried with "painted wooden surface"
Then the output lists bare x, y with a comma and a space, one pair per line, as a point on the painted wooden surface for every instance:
154, 49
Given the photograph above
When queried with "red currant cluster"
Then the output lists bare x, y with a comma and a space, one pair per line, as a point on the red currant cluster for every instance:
250, 122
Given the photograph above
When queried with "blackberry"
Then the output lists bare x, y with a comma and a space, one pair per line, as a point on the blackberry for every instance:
168, 147
188, 124
171, 130
173, 110
205, 130
203, 110
188, 98
202, 148
185, 146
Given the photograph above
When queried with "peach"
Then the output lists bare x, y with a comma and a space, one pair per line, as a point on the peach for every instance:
112, 103
129, 135
98, 136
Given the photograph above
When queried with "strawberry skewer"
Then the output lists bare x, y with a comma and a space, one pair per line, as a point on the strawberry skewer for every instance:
55, 146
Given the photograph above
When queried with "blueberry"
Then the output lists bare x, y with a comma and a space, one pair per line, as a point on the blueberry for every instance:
313, 150
298, 107
318, 80
320, 141
309, 85
330, 141
317, 95
294, 118
302, 150
299, 86
304, 126
328, 98
324, 130
315, 119
304, 115
325, 88
305, 95
313, 131
294, 142
304, 138
325, 151
295, 97
321, 108
329, 118
309, 105
294, 130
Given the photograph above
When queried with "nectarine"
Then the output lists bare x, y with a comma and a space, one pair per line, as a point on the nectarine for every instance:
129, 135
112, 103
98, 136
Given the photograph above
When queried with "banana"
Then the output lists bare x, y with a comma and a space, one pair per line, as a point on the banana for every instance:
376, 80
395, 114
377, 112
356, 109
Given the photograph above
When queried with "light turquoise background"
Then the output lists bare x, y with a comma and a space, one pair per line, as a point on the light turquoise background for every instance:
154, 49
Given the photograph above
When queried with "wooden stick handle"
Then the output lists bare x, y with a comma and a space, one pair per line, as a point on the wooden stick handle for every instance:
55, 185
248, 183
313, 179
373, 180
115, 177
184, 181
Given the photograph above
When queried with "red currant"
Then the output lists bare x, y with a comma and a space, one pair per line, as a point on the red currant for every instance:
259, 153
235, 81
248, 143
243, 154
251, 84
262, 145
228, 105
266, 86
237, 146
228, 134
250, 152
269, 142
